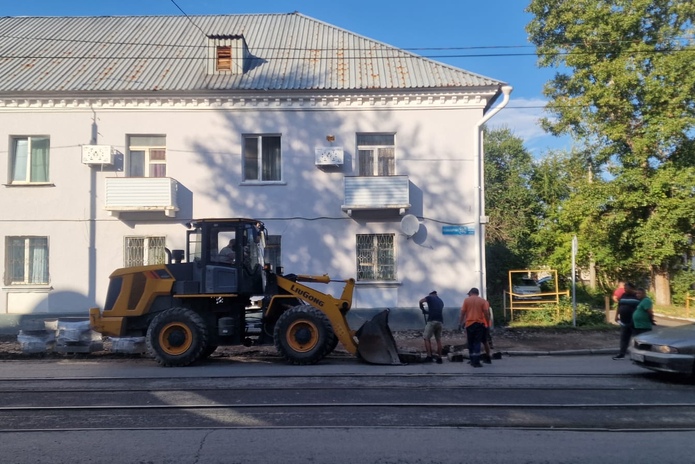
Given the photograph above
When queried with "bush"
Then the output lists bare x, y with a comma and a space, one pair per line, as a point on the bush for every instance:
681, 283
594, 298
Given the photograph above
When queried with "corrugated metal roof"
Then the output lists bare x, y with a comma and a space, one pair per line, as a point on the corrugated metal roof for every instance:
168, 53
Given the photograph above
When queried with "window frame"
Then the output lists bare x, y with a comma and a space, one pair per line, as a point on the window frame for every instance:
259, 158
29, 168
377, 252
149, 161
27, 259
150, 254
377, 158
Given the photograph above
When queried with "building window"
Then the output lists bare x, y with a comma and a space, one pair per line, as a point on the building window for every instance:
262, 158
143, 251
147, 156
26, 260
273, 251
376, 257
29, 160
376, 154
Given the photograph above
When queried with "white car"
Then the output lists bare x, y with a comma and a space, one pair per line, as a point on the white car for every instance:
526, 288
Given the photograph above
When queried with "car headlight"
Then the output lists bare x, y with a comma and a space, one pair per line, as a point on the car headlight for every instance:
664, 349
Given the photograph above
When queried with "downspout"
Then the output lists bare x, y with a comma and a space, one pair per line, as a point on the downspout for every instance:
480, 188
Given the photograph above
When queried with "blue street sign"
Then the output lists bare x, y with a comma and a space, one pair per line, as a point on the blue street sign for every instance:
458, 230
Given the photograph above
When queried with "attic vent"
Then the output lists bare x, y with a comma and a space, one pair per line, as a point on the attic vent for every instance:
227, 54
224, 58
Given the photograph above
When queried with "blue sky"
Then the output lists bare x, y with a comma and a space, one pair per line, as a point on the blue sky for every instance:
456, 32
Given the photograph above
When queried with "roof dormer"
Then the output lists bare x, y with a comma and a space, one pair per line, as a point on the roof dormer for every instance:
227, 54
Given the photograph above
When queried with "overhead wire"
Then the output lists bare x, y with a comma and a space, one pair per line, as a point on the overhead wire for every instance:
187, 17
372, 53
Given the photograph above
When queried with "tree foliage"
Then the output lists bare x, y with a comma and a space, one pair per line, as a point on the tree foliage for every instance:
510, 204
626, 85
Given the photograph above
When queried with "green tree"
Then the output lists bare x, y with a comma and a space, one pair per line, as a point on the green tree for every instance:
558, 181
510, 204
626, 82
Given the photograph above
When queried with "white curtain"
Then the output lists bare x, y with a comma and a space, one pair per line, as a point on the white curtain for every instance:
38, 249
39, 159
19, 169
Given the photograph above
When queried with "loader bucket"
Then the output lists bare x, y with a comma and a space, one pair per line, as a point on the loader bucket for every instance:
375, 341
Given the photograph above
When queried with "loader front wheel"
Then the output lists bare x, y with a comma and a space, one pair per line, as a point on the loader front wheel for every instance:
177, 337
333, 343
303, 335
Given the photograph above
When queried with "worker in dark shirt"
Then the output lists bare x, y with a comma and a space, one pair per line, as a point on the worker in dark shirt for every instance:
626, 307
434, 322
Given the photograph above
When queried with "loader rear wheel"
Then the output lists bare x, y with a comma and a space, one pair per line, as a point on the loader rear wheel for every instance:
177, 337
303, 335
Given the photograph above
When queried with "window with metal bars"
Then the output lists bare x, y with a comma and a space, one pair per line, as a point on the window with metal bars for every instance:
26, 260
376, 257
376, 154
143, 251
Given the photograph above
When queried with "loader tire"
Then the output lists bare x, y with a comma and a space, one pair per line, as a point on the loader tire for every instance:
177, 337
333, 343
303, 335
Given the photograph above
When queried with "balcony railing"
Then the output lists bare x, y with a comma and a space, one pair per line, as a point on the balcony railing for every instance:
137, 194
382, 192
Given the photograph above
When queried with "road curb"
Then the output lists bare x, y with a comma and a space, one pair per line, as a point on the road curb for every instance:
600, 351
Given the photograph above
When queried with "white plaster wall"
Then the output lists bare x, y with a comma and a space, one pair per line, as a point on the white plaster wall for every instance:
434, 148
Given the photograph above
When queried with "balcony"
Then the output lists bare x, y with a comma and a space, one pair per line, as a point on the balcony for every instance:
373, 193
141, 194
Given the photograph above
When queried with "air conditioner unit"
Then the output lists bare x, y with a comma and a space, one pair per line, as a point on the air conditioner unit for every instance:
329, 156
97, 154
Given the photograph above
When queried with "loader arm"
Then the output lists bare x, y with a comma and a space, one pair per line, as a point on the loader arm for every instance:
335, 309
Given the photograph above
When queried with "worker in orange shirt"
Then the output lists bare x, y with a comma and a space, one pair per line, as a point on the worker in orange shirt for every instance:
475, 317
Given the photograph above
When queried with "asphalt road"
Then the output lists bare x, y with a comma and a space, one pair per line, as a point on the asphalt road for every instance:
550, 409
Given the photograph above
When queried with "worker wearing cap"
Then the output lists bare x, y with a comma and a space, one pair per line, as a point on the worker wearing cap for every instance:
433, 326
475, 317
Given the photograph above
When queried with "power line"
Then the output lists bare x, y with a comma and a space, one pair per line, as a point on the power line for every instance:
371, 55
188, 17
314, 50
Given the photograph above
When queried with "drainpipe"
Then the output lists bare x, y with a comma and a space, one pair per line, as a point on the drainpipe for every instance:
480, 188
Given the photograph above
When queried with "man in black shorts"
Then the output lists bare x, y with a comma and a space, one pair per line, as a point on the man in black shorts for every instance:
433, 327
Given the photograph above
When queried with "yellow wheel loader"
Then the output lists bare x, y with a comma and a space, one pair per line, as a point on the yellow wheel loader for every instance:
202, 299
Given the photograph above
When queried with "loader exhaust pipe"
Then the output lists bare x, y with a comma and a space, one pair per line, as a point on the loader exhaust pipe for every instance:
376, 344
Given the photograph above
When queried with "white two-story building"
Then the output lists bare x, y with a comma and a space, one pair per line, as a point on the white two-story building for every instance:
363, 160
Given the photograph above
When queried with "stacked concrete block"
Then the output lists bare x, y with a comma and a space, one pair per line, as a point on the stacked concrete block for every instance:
77, 337
37, 336
128, 345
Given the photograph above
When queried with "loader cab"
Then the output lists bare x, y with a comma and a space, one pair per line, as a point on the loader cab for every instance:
228, 255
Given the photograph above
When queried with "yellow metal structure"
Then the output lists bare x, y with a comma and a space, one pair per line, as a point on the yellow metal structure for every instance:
532, 301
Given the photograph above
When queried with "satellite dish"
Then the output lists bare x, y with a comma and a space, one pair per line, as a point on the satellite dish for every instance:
410, 225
